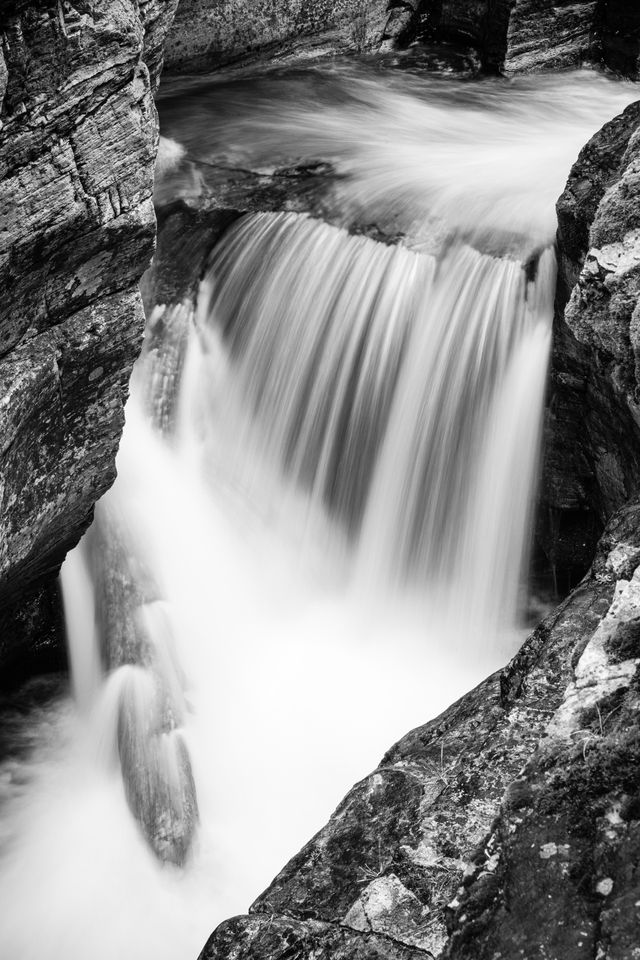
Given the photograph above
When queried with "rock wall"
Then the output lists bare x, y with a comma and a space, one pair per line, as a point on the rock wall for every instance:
516, 36
210, 33
548, 34
77, 151
557, 876
592, 443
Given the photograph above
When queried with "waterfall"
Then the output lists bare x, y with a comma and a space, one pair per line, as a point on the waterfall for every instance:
319, 532
381, 379
389, 399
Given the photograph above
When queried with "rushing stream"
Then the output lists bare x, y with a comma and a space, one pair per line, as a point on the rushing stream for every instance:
318, 537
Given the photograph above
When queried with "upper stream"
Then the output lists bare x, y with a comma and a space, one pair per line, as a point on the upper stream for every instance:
319, 534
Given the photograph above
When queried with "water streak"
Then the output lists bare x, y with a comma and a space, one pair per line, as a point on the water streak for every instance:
378, 377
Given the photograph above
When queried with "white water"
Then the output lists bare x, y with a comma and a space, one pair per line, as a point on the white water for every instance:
402, 391
423, 155
308, 598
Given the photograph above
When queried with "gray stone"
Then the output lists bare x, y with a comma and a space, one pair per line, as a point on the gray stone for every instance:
208, 34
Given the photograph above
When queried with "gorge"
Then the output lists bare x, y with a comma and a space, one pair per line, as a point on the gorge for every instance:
324, 528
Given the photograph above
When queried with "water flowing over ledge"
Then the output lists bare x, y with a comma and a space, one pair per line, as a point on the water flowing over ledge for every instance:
403, 391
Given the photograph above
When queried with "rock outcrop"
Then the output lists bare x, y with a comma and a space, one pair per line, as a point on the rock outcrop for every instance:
592, 442
77, 152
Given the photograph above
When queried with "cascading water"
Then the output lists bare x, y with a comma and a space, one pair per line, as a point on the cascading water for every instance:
317, 535
378, 377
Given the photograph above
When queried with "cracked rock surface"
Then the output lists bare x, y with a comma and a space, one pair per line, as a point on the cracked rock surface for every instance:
77, 150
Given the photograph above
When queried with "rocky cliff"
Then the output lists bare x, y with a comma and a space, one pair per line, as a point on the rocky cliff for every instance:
77, 151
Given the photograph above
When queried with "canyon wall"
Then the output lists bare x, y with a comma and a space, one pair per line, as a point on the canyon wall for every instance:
77, 151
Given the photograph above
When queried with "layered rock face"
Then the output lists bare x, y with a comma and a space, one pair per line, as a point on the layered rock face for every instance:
542, 33
592, 448
77, 151
209, 33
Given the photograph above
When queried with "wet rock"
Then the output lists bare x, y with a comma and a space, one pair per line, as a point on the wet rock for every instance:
186, 235
77, 149
158, 784
545, 34
206, 34
592, 438
30, 632
157, 17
